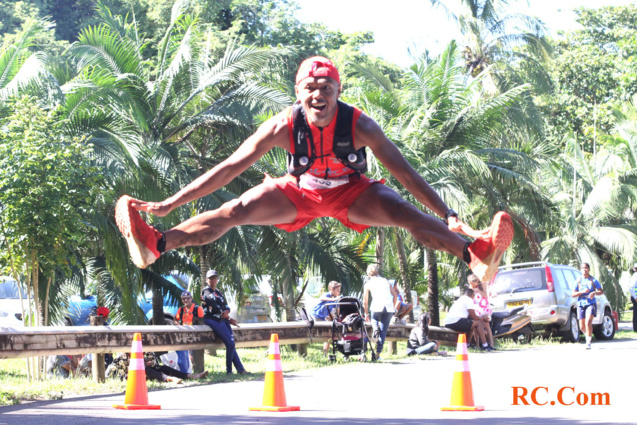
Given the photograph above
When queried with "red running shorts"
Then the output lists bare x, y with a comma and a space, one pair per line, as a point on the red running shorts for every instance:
315, 203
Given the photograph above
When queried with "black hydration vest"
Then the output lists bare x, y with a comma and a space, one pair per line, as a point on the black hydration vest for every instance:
343, 145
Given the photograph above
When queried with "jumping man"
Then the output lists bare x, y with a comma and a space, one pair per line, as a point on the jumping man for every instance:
326, 141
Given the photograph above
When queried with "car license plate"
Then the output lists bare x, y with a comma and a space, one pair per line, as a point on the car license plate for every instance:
518, 303
262, 318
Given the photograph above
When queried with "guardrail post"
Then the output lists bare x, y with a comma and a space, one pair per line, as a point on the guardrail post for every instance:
198, 364
97, 364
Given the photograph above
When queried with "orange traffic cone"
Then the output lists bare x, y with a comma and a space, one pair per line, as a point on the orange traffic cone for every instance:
274, 393
136, 390
461, 389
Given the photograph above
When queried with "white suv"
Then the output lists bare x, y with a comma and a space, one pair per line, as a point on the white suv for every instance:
10, 307
547, 288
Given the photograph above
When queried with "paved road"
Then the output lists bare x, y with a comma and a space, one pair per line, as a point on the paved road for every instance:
407, 392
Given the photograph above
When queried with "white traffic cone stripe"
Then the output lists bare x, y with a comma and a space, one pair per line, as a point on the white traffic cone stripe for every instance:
274, 349
136, 347
273, 366
462, 349
463, 367
136, 364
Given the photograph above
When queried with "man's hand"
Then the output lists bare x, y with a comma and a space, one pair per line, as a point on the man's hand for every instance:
159, 209
458, 226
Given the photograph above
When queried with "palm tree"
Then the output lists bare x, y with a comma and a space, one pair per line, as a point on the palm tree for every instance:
595, 199
23, 71
499, 43
460, 139
143, 116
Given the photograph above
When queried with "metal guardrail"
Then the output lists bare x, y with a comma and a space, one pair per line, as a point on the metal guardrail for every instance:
45, 341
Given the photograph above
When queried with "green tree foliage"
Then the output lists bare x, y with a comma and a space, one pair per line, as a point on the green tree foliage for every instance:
594, 69
47, 189
500, 43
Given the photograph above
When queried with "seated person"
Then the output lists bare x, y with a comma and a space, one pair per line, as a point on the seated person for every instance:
325, 310
404, 308
418, 343
463, 318
154, 371
61, 366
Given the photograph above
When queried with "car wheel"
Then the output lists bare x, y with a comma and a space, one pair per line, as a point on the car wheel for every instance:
68, 321
606, 330
573, 333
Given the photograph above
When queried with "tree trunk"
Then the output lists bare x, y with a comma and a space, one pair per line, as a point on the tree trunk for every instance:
46, 302
380, 248
158, 305
432, 287
204, 266
404, 272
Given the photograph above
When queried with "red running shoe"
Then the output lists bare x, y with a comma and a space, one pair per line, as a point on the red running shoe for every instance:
141, 238
487, 253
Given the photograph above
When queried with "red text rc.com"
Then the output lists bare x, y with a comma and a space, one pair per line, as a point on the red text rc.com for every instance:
565, 396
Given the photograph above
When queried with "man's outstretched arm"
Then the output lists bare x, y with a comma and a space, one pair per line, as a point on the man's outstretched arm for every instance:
369, 133
270, 134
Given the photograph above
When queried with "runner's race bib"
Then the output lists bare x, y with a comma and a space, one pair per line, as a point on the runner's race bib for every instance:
307, 181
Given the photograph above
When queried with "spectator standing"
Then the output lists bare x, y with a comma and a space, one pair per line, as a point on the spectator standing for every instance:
189, 314
383, 306
586, 287
217, 316
462, 317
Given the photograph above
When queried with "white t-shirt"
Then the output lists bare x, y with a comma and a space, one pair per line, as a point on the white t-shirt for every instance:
382, 297
459, 310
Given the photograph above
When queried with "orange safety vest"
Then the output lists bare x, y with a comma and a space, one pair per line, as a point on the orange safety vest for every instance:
184, 316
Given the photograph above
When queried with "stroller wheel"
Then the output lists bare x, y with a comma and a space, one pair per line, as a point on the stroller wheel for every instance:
332, 358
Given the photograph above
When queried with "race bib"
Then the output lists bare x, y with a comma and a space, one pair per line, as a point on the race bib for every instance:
307, 181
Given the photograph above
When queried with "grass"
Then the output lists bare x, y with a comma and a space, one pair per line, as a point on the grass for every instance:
15, 389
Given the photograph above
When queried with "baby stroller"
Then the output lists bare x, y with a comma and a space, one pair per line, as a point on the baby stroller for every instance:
349, 333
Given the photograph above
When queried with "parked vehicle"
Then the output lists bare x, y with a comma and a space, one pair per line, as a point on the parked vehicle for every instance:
256, 309
80, 310
10, 308
547, 289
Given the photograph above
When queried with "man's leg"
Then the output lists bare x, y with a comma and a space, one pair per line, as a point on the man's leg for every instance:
221, 331
380, 205
262, 205
590, 315
382, 320
478, 327
488, 333
405, 309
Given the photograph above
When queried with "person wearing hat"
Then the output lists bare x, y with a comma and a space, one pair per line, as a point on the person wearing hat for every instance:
189, 314
217, 316
633, 295
326, 141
